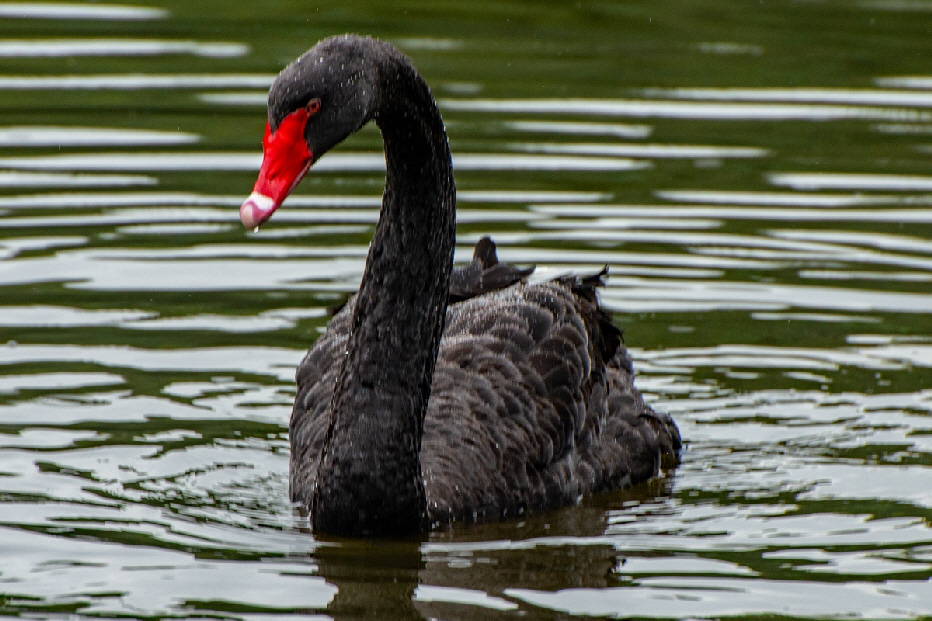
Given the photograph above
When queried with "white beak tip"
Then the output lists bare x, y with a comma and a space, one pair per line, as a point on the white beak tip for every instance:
255, 210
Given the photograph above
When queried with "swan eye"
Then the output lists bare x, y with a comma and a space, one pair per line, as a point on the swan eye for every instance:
313, 106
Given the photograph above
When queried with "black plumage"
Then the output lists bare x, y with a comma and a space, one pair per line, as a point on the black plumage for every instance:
438, 395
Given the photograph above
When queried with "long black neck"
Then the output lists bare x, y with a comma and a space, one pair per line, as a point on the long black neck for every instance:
369, 481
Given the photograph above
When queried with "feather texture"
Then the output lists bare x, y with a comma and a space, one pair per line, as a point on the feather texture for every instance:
532, 405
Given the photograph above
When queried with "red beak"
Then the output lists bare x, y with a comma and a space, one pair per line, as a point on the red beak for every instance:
285, 160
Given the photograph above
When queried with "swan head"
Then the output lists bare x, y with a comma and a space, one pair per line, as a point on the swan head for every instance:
314, 103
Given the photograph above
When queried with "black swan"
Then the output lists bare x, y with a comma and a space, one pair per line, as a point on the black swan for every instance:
438, 395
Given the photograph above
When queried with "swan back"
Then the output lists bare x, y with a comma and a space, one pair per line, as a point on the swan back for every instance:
532, 405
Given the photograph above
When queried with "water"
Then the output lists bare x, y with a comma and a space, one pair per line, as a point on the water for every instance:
757, 175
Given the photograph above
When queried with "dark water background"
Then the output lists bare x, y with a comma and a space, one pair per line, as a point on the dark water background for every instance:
758, 175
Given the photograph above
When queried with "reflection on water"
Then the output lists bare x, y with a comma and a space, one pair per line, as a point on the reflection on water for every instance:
854, 181
871, 97
19, 179
133, 82
690, 110
646, 150
115, 47
762, 201
604, 129
49, 10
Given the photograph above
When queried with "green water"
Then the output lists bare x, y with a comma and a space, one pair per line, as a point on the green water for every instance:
757, 175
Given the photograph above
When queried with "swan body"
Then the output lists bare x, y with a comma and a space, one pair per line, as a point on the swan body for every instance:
437, 395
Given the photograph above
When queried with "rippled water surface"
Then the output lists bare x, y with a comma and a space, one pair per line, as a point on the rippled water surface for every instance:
758, 177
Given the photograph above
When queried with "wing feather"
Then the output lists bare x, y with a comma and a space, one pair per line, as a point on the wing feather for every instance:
532, 404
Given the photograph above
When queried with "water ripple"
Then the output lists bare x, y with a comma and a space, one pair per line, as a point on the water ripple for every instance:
646, 151
683, 110
27, 136
785, 199
596, 129
711, 597
32, 48
134, 81
16, 179
64, 10
870, 97
852, 181
918, 215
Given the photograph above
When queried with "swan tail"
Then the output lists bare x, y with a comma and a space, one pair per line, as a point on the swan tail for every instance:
607, 337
